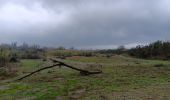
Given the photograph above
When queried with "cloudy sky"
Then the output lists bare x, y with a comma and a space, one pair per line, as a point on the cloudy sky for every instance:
84, 23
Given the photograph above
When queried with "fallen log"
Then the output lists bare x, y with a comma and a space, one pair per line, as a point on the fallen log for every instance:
82, 72
60, 63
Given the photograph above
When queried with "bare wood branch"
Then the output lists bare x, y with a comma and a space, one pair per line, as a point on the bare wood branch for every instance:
60, 63
83, 72
37, 71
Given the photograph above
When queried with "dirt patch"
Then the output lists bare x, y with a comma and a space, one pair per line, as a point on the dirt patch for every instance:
77, 94
74, 57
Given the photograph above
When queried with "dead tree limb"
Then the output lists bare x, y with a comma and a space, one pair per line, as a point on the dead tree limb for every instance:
60, 63
37, 71
82, 72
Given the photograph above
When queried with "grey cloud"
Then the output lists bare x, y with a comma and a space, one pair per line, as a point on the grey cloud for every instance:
90, 23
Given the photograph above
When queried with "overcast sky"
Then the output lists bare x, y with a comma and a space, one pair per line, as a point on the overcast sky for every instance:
84, 23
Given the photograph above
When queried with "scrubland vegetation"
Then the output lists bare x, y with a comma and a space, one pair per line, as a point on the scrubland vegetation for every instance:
125, 74
157, 50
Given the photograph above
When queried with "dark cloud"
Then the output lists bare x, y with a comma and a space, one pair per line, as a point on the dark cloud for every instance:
84, 23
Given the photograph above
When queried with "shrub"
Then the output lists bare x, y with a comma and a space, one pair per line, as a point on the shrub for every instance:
4, 57
3, 72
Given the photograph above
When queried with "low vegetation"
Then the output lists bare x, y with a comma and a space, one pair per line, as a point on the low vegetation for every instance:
123, 77
157, 50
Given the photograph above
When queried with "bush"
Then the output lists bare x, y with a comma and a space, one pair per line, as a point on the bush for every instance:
4, 57
158, 65
3, 72
8, 71
156, 50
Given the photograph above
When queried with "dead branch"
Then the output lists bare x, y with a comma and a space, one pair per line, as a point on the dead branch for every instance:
82, 72
60, 63
37, 71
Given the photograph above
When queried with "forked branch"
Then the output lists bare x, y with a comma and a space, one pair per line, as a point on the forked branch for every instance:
60, 63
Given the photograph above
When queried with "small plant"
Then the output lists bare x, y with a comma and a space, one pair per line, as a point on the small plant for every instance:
158, 65
3, 72
4, 57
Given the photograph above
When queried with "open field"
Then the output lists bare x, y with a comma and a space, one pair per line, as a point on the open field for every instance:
123, 78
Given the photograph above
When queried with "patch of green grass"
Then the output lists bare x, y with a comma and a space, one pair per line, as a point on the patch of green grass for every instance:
28, 65
119, 74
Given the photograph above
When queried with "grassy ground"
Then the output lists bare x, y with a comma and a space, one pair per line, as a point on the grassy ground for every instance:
123, 78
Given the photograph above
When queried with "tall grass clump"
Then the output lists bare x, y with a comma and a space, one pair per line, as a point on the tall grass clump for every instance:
4, 57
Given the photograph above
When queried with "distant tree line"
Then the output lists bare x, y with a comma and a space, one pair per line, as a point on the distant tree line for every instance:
119, 50
69, 52
156, 50
13, 52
